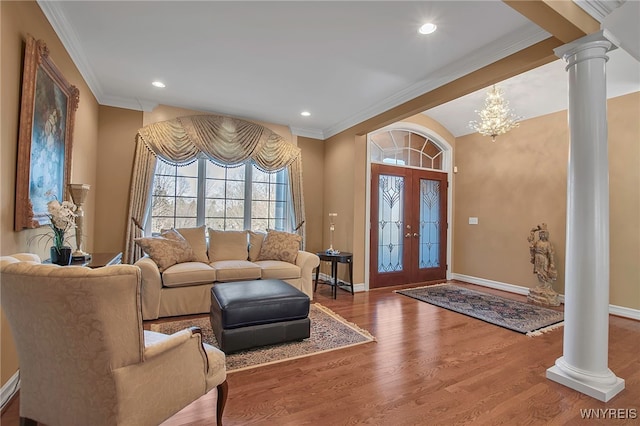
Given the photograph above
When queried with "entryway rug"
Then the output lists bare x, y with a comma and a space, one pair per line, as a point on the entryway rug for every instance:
329, 332
525, 318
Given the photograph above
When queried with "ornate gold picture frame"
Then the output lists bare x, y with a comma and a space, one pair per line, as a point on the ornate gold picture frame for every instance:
47, 114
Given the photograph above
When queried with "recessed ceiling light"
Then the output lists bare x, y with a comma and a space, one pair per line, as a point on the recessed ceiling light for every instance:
159, 84
427, 28
305, 113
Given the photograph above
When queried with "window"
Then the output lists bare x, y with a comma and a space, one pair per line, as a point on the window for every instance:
405, 148
204, 193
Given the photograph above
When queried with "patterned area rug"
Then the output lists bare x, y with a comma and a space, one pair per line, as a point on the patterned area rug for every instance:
525, 318
329, 332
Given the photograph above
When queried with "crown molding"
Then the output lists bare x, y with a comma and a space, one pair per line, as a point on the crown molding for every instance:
128, 103
307, 133
58, 20
599, 9
493, 52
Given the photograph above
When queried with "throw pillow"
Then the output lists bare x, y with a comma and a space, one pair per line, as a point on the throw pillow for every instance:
167, 249
227, 245
255, 244
196, 237
278, 245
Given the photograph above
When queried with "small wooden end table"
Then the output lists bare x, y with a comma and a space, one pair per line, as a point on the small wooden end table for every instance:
335, 258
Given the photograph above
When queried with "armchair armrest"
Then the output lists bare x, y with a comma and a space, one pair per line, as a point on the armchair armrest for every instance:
307, 262
176, 370
149, 288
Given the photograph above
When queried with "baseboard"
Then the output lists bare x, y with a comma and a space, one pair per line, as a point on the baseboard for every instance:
620, 311
9, 389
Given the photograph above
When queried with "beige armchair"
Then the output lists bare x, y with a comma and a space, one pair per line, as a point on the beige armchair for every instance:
84, 356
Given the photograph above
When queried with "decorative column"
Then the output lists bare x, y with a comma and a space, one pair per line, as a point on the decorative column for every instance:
583, 365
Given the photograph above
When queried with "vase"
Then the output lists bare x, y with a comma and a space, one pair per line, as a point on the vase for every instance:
61, 256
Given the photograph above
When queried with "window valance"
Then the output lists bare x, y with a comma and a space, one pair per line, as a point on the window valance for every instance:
226, 141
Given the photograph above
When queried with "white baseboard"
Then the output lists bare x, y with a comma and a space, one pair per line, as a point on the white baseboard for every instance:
511, 288
9, 389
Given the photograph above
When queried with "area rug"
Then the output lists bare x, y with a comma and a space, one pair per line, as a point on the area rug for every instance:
525, 318
329, 332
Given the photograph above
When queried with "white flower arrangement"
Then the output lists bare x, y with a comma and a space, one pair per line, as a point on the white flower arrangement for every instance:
63, 219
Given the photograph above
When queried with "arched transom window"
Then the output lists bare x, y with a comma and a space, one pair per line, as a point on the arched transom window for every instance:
405, 148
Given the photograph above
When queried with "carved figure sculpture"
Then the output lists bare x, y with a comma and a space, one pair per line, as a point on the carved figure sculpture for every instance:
544, 266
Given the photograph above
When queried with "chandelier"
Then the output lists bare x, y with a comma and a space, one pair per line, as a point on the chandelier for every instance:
496, 118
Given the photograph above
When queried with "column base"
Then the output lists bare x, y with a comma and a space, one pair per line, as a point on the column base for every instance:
602, 388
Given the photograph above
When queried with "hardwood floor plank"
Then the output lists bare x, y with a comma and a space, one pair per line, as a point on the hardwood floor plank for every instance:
428, 366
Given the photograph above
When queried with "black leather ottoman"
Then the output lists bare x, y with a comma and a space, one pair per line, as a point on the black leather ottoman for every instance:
247, 314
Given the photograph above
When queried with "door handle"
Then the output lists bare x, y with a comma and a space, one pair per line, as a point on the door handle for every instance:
407, 235
415, 234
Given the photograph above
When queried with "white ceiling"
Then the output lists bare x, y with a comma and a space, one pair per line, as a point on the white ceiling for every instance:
343, 61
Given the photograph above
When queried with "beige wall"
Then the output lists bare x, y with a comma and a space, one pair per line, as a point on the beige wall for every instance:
17, 20
116, 146
521, 181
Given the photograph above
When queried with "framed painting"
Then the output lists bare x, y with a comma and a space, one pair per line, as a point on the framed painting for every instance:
47, 113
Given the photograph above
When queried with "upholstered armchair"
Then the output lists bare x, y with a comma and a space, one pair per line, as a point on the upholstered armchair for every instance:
84, 356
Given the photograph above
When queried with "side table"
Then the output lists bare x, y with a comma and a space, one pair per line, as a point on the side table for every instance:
97, 260
342, 257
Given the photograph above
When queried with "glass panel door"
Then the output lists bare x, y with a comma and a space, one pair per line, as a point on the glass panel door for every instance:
390, 223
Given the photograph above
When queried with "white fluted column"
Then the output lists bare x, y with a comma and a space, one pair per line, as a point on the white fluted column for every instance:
584, 363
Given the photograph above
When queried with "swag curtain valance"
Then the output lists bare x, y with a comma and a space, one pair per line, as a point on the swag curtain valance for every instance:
226, 141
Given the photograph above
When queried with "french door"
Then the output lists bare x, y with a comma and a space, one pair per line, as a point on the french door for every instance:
408, 226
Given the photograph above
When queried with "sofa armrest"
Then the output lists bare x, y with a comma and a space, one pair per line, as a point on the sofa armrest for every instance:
150, 288
307, 262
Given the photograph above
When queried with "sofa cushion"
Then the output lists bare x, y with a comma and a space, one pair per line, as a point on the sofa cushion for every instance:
227, 245
236, 270
197, 238
278, 245
167, 249
255, 244
188, 274
277, 269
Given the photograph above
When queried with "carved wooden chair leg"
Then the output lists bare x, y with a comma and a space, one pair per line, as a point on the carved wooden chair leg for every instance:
27, 422
223, 390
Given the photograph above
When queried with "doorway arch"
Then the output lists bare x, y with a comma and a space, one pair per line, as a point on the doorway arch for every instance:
443, 164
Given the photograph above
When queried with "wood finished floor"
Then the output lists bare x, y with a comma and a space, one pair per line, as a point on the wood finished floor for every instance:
429, 366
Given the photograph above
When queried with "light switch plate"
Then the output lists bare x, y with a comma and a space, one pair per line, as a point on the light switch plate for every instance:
473, 221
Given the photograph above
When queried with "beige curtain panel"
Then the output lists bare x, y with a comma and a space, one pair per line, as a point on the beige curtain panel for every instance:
226, 141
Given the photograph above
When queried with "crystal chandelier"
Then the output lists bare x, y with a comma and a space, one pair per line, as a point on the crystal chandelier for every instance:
496, 118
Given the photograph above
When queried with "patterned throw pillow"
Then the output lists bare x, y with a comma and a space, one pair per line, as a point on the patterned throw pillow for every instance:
167, 249
278, 245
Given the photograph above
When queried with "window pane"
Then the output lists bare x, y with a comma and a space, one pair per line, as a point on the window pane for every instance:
214, 188
259, 175
260, 191
164, 185
185, 222
214, 208
236, 173
235, 209
187, 187
259, 224
235, 190
163, 206
214, 171
217, 224
186, 207
190, 170
234, 224
163, 168
160, 223
259, 210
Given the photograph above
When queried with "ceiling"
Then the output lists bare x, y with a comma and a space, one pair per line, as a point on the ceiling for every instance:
342, 61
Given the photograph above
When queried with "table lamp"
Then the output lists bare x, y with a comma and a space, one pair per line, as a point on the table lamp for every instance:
332, 228
78, 195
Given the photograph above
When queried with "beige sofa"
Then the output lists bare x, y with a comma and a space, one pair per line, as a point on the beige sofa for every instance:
182, 285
